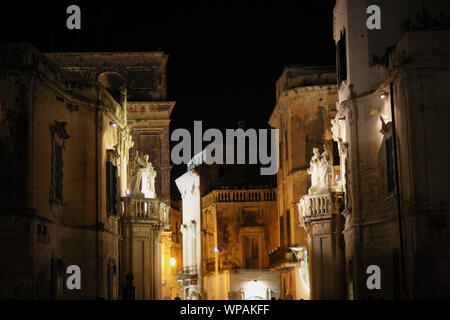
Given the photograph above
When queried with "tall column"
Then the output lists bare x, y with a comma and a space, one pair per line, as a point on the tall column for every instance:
189, 187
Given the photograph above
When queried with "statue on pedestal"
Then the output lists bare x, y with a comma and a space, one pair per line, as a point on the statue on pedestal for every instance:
141, 176
148, 179
314, 171
320, 170
325, 179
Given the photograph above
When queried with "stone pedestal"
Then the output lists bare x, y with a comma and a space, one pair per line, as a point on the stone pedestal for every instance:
142, 225
320, 216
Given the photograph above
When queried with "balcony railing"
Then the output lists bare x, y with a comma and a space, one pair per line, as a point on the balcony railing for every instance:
281, 255
316, 204
319, 205
251, 195
152, 209
188, 274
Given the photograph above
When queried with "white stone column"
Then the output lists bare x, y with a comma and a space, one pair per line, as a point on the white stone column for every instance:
189, 186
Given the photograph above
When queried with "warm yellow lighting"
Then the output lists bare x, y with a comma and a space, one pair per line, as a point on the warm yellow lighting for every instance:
382, 95
173, 261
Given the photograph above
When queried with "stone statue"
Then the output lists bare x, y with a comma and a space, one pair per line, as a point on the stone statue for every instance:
320, 170
141, 172
148, 178
325, 171
314, 169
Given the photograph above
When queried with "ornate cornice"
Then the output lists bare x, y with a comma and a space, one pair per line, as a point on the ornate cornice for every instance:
150, 106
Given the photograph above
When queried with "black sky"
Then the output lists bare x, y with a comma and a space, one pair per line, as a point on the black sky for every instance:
224, 57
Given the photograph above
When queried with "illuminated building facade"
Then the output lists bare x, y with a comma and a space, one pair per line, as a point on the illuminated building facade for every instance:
75, 172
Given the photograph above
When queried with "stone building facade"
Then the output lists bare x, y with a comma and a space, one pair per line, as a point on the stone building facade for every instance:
237, 233
393, 105
65, 141
229, 223
306, 103
143, 75
172, 254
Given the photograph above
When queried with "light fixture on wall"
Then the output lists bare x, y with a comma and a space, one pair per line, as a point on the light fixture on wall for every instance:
113, 124
383, 95
127, 192
173, 262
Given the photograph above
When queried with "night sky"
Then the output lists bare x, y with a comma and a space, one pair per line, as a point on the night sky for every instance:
224, 58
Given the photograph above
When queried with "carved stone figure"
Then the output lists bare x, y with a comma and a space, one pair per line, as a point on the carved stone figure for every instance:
141, 176
148, 178
134, 174
325, 172
314, 168
320, 170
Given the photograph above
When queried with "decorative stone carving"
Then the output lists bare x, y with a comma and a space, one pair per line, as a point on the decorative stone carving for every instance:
325, 168
320, 170
148, 179
386, 128
335, 129
59, 131
141, 172
113, 155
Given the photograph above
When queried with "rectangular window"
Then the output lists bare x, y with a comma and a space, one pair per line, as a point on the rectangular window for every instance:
389, 165
288, 227
58, 170
342, 58
112, 189
336, 158
250, 216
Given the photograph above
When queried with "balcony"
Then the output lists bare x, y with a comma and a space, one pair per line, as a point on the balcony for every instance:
281, 256
319, 205
188, 275
146, 209
251, 195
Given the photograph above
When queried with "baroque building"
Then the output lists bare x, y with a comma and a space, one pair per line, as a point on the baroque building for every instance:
306, 103
229, 223
393, 105
172, 254
384, 187
79, 193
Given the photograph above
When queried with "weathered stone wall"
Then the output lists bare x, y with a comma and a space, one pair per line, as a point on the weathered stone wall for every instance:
306, 102
39, 227
418, 69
